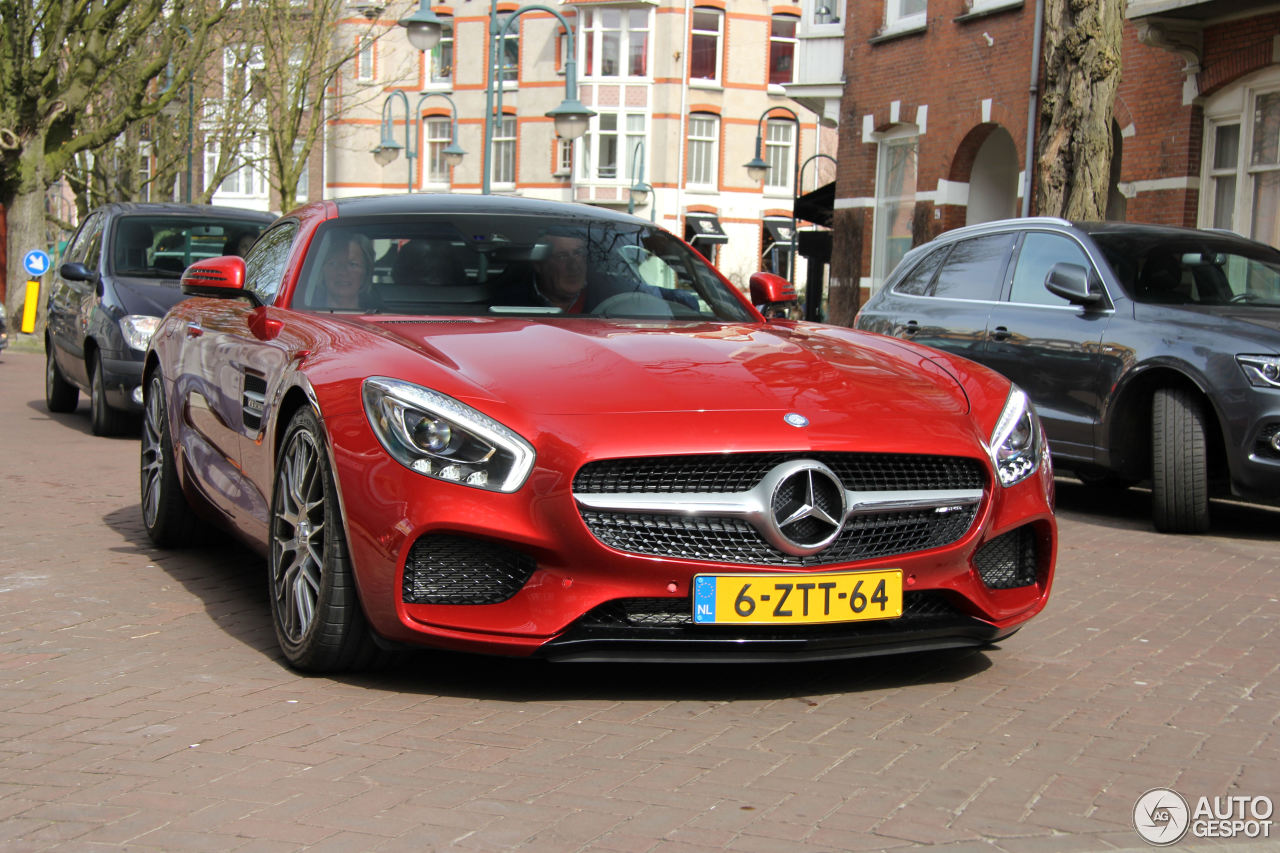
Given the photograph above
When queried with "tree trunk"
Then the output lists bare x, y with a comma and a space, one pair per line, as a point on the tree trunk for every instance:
845, 288
25, 218
1082, 41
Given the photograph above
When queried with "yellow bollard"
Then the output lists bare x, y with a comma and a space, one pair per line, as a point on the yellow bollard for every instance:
29, 309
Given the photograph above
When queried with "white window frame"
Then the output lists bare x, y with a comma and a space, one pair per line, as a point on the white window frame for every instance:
899, 137
1237, 105
630, 126
975, 7
564, 158
364, 58
437, 133
779, 152
591, 38
711, 144
898, 21
793, 40
505, 150
435, 77
714, 80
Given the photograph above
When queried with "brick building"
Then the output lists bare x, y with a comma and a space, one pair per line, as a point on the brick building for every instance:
934, 129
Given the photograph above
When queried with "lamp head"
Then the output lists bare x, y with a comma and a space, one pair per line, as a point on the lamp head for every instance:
571, 118
453, 154
423, 27
757, 169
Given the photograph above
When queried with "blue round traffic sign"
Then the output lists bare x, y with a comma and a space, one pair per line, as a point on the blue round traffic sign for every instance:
36, 262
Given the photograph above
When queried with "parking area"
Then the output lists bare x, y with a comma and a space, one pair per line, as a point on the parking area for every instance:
144, 705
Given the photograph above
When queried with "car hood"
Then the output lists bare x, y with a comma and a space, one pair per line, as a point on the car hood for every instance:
154, 296
1256, 322
574, 368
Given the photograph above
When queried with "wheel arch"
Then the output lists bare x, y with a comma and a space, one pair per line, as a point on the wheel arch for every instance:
1128, 425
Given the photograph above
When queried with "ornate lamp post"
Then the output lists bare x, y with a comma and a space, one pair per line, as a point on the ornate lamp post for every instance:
388, 149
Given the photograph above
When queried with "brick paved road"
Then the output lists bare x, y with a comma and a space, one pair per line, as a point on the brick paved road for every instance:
144, 706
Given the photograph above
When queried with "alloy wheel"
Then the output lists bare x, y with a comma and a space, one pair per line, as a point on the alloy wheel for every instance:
298, 536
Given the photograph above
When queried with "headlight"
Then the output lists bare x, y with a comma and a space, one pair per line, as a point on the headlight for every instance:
1015, 442
138, 329
1261, 370
440, 437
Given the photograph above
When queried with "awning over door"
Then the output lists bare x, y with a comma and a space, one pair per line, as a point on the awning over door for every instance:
780, 232
704, 227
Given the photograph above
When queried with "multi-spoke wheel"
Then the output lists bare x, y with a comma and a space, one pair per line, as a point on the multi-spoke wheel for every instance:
165, 513
314, 604
59, 394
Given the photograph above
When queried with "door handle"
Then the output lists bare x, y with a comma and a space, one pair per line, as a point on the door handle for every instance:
194, 330
911, 328
1000, 333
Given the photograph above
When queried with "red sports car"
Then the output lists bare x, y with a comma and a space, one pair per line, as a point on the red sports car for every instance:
530, 428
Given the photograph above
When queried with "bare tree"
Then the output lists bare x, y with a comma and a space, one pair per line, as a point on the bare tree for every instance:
1082, 42
65, 60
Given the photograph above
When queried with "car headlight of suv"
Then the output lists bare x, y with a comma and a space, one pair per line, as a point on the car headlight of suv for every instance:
440, 437
1015, 442
1261, 370
138, 329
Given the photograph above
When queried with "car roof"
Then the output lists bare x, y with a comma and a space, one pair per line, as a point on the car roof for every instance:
410, 203
165, 208
1123, 229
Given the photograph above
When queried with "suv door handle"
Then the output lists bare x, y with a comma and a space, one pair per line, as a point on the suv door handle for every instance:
911, 328
1001, 333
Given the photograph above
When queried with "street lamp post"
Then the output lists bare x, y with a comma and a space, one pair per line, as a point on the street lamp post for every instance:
758, 169
571, 117
639, 190
388, 149
813, 289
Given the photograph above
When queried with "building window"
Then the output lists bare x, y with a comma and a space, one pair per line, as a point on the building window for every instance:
364, 59
246, 177
438, 134
902, 15
242, 75
564, 157
779, 143
1242, 183
704, 142
615, 42
504, 152
782, 49
826, 12
510, 52
895, 203
302, 192
442, 57
704, 53
609, 146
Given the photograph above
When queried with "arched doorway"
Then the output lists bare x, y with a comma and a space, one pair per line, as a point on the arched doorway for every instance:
993, 179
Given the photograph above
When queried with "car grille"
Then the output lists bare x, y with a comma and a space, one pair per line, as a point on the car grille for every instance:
446, 569
1009, 560
726, 539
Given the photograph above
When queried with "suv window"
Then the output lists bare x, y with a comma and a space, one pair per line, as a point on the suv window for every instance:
89, 234
975, 268
1040, 251
916, 282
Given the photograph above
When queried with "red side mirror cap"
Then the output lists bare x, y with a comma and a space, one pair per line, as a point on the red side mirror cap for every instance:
216, 277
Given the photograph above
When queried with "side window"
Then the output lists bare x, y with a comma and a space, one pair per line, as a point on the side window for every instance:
80, 243
975, 268
265, 263
916, 282
1039, 252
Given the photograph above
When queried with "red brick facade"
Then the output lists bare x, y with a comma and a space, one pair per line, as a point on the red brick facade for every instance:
959, 60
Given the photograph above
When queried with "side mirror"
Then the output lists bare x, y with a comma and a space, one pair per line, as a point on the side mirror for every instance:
768, 290
1071, 282
76, 271
220, 278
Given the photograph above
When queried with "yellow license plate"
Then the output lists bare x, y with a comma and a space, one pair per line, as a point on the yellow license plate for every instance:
796, 599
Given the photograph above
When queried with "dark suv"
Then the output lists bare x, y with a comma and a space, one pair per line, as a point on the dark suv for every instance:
1151, 353
119, 276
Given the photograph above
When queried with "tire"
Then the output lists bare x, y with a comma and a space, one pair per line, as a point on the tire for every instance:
166, 515
102, 418
59, 394
1179, 463
315, 608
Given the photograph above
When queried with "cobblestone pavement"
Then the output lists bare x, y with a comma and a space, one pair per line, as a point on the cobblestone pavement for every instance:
144, 706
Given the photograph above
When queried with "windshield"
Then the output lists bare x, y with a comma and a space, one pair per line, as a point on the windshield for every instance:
510, 265
164, 246
1195, 270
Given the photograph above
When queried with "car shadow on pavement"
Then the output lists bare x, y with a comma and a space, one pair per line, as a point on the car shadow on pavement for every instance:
79, 420
1130, 509
230, 580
